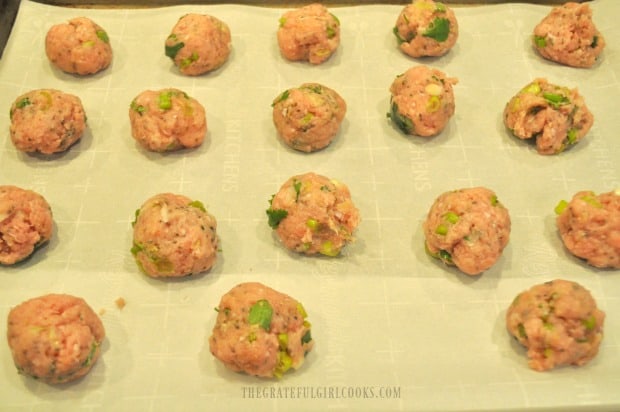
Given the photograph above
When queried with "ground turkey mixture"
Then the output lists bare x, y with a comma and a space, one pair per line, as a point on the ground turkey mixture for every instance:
310, 33
167, 120
260, 331
555, 117
308, 117
422, 101
46, 121
25, 223
426, 28
79, 46
313, 214
54, 338
198, 44
174, 236
568, 36
558, 322
468, 228
590, 227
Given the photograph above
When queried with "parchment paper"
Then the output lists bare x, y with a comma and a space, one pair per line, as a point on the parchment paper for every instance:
394, 329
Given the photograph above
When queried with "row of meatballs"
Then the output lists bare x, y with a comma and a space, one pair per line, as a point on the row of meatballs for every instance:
307, 118
313, 214
200, 43
57, 338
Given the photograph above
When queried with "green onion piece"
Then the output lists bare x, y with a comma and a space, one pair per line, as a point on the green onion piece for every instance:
186, 62
137, 107
282, 97
589, 323
297, 187
226, 311
307, 119
494, 200
560, 207
282, 21
165, 100
433, 104
276, 216
540, 41
439, 29
401, 121
451, 217
328, 249
48, 99
163, 264
260, 314
521, 329
441, 230
315, 88
283, 340
23, 103
555, 99
572, 136
306, 338
445, 257
284, 364
312, 224
88, 43
440, 7
171, 51
252, 337
103, 36
331, 32
533, 88
91, 354
136, 248
136, 214
302, 310
592, 200
401, 39
335, 18
198, 205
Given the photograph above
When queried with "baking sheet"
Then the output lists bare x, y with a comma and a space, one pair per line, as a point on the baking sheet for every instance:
394, 329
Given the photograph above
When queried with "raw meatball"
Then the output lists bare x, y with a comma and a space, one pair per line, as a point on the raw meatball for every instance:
46, 121
308, 117
79, 46
558, 322
568, 36
260, 331
422, 101
167, 120
174, 236
555, 117
25, 223
313, 214
426, 28
310, 33
198, 44
590, 227
54, 338
468, 228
